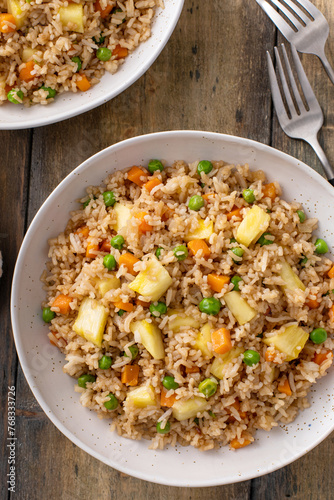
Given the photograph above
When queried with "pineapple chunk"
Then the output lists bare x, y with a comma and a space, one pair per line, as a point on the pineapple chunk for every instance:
14, 8
153, 282
150, 336
290, 342
239, 307
28, 54
253, 225
106, 284
219, 366
292, 282
180, 320
182, 410
203, 231
91, 321
123, 215
202, 340
142, 396
72, 17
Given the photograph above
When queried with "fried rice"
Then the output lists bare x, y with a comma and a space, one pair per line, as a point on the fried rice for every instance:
261, 393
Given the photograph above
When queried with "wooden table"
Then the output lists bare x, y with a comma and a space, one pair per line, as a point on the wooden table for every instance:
212, 75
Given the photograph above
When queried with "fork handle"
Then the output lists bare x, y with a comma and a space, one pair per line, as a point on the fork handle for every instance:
326, 65
329, 170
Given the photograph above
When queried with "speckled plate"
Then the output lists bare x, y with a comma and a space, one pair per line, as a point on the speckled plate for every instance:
42, 363
69, 104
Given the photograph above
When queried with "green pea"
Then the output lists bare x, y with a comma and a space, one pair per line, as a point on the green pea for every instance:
301, 215
85, 379
204, 166
158, 252
117, 242
51, 92
251, 357
164, 430
169, 383
235, 280
112, 403
180, 252
103, 53
78, 62
109, 198
238, 251
248, 195
155, 165
109, 262
47, 314
233, 240
263, 240
318, 335
134, 351
13, 94
196, 202
158, 308
321, 246
210, 305
99, 41
208, 387
303, 261
121, 312
105, 362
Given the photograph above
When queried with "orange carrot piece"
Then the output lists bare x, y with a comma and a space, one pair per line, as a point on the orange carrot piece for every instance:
320, 357
152, 183
166, 213
285, 387
270, 355
125, 306
331, 313
82, 231
331, 273
25, 73
130, 375
120, 52
8, 88
312, 303
91, 249
164, 401
236, 444
105, 246
83, 83
207, 196
142, 303
195, 246
192, 369
138, 176
235, 212
269, 191
103, 12
221, 341
5, 20
143, 227
217, 282
128, 260
236, 405
63, 302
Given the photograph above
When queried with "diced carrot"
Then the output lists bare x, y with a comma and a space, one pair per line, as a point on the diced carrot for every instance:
142, 303
197, 245
103, 12
130, 375
269, 191
92, 249
235, 212
236, 405
207, 196
25, 73
320, 357
8, 88
83, 83
270, 355
164, 401
82, 231
105, 246
5, 21
236, 444
285, 387
331, 273
221, 341
331, 313
192, 369
144, 226
217, 281
128, 260
312, 303
63, 303
152, 183
125, 306
138, 176
120, 52
166, 213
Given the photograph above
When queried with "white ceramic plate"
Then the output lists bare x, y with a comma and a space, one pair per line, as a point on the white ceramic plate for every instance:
42, 363
69, 104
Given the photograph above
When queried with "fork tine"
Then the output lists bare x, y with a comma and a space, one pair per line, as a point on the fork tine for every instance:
305, 84
285, 86
311, 9
292, 80
276, 93
288, 14
276, 18
297, 10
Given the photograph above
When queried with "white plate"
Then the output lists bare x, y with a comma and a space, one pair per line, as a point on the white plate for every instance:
42, 363
69, 104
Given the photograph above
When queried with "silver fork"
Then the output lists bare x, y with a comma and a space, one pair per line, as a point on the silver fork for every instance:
302, 123
310, 35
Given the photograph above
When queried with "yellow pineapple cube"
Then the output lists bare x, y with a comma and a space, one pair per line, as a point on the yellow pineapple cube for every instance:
151, 337
182, 410
123, 216
180, 320
292, 282
91, 321
239, 307
142, 396
220, 364
253, 226
290, 341
153, 281
71, 17
203, 337
202, 232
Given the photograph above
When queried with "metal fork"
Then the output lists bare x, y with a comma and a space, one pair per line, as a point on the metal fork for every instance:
302, 123
309, 35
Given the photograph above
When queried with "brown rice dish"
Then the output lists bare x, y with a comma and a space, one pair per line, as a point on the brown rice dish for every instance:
192, 303
51, 47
